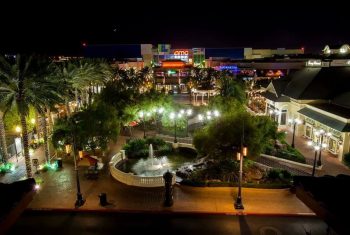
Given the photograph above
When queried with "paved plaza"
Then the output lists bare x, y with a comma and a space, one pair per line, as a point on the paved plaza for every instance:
58, 191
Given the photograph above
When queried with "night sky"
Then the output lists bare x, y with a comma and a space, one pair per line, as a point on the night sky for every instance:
58, 27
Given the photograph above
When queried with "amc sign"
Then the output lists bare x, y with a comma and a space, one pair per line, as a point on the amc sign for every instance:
181, 52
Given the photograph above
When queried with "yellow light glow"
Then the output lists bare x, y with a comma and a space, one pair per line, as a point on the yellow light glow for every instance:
245, 151
18, 129
32, 120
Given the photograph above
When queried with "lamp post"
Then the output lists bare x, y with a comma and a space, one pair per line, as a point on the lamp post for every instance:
294, 121
80, 201
240, 156
142, 116
18, 129
316, 147
188, 114
173, 116
159, 112
321, 133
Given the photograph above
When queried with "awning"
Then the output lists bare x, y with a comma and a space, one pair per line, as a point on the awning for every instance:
325, 120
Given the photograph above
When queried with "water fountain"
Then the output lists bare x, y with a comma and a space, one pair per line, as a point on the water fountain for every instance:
151, 166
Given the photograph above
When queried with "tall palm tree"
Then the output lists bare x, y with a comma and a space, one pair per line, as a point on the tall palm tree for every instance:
3, 145
24, 83
80, 78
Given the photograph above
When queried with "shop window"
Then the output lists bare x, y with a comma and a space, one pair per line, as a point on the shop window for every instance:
283, 117
308, 131
332, 145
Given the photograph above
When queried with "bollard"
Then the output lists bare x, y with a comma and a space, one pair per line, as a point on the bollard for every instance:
168, 197
103, 199
59, 163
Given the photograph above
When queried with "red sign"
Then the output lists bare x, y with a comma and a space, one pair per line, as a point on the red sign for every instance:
173, 64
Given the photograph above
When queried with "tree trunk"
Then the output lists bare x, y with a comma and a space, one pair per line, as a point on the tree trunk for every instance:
76, 99
46, 144
48, 113
26, 146
5, 155
68, 108
37, 125
90, 96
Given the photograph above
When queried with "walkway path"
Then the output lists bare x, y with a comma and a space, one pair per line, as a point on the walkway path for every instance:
59, 191
331, 164
275, 164
20, 169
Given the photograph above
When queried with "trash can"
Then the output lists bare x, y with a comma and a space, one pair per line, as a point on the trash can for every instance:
59, 163
103, 199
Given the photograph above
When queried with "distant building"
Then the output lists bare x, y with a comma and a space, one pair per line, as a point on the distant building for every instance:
319, 95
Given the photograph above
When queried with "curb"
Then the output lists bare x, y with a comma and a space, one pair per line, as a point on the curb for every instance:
167, 212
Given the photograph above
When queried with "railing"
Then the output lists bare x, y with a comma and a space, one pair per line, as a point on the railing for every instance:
168, 138
130, 178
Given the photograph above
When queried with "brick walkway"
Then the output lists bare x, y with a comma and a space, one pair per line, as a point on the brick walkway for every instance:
20, 172
58, 190
331, 165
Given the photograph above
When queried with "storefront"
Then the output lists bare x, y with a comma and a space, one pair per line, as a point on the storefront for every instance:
172, 75
325, 128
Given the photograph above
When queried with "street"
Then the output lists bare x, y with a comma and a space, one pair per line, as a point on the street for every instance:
54, 222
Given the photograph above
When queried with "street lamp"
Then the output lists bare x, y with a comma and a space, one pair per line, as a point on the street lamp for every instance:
316, 147
321, 133
159, 112
142, 116
294, 121
80, 201
173, 116
240, 156
188, 114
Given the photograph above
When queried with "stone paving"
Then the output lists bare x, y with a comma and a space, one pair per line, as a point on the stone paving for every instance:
330, 162
58, 191
20, 169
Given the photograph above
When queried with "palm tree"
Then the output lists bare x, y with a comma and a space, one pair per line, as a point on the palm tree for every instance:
229, 87
80, 77
24, 83
3, 145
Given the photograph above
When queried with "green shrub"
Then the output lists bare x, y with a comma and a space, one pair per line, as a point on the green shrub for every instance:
286, 174
139, 148
156, 142
274, 174
347, 159
164, 149
136, 148
291, 155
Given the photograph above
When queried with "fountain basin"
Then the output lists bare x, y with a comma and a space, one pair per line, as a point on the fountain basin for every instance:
138, 172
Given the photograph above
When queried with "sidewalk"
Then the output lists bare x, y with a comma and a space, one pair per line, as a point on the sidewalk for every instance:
330, 162
20, 170
58, 191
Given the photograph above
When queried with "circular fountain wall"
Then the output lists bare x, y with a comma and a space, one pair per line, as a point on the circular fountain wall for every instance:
148, 172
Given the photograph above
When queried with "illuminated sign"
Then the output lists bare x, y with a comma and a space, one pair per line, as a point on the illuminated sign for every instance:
314, 63
173, 64
226, 67
181, 52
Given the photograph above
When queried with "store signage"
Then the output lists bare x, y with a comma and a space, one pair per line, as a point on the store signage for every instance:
180, 52
314, 63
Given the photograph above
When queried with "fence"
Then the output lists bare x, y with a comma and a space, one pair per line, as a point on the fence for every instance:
168, 138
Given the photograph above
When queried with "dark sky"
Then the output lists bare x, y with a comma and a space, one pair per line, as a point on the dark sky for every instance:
61, 27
